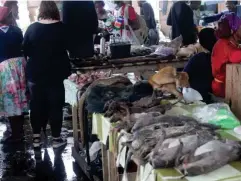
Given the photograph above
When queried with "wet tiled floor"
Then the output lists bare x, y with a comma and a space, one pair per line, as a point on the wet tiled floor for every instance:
18, 162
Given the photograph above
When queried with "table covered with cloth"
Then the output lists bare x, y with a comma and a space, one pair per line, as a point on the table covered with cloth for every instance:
104, 129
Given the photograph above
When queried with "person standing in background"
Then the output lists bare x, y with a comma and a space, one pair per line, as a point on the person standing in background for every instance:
46, 44
230, 5
13, 7
149, 16
82, 23
100, 10
180, 18
132, 26
195, 6
13, 99
102, 18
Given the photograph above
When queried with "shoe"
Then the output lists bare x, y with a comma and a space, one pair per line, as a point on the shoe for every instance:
37, 142
59, 142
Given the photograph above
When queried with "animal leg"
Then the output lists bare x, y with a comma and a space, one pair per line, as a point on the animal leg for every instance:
154, 94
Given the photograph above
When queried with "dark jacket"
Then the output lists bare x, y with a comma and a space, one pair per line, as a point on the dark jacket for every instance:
46, 47
82, 22
181, 19
11, 43
200, 74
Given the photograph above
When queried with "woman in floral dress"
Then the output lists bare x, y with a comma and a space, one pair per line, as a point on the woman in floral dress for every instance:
13, 100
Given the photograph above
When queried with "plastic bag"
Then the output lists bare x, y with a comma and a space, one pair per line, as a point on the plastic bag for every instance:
169, 48
94, 149
218, 114
191, 95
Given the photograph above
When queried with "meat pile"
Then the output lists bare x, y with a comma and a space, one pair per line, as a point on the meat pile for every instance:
82, 79
172, 141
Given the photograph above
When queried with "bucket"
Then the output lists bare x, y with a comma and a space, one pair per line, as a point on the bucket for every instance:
120, 50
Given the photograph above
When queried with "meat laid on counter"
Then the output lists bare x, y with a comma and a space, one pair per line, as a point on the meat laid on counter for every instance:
82, 79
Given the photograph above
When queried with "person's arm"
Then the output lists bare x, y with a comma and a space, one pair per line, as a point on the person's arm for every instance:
213, 18
235, 56
132, 19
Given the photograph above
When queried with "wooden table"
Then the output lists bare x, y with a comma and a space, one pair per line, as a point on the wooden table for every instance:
144, 66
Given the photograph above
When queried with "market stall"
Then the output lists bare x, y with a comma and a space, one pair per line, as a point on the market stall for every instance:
113, 157
141, 63
121, 113
138, 66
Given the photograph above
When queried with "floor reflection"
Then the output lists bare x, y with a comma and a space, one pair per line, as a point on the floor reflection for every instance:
18, 162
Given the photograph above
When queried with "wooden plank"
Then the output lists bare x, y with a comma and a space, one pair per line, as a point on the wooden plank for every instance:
113, 172
131, 68
75, 125
104, 162
233, 88
229, 77
81, 162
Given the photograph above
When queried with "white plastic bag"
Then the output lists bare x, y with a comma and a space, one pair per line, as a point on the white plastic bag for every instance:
191, 95
94, 149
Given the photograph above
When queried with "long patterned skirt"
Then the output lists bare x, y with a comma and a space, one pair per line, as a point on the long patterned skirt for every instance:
13, 98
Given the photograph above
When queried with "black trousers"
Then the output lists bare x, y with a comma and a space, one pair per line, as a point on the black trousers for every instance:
46, 104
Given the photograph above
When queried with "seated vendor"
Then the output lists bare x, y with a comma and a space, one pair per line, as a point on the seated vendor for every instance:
226, 50
102, 16
199, 66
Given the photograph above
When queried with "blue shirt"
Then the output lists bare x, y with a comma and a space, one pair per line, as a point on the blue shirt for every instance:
216, 17
11, 43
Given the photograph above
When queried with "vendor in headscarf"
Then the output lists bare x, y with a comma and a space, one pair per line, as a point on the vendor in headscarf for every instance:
226, 50
200, 81
13, 101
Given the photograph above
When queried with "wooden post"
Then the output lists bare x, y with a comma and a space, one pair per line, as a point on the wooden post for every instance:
75, 125
113, 172
105, 166
233, 88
